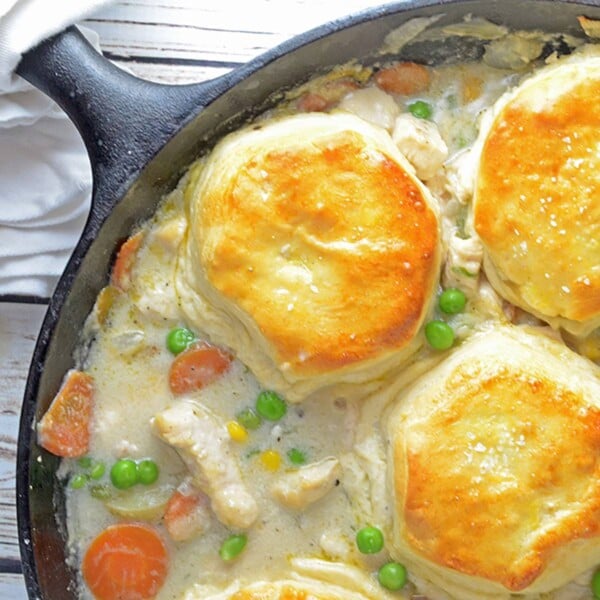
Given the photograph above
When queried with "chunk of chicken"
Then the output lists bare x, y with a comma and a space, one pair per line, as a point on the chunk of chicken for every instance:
372, 105
157, 299
460, 176
155, 295
202, 442
420, 141
299, 489
168, 235
463, 264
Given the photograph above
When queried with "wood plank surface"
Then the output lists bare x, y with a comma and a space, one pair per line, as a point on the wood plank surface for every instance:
12, 587
182, 41
19, 324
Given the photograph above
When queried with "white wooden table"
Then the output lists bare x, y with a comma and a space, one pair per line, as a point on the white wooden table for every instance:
170, 41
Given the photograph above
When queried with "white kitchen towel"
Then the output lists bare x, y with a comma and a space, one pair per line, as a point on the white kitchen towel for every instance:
45, 178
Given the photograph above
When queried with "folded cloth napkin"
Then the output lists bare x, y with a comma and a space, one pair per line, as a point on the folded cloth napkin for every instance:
45, 178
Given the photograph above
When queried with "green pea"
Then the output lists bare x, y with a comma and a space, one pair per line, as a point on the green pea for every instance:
124, 474
249, 419
232, 546
392, 576
270, 406
296, 456
98, 470
595, 584
439, 335
179, 339
85, 462
78, 481
452, 301
421, 109
369, 540
147, 471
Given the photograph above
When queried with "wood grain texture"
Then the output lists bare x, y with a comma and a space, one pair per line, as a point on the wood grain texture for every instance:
12, 587
182, 41
18, 330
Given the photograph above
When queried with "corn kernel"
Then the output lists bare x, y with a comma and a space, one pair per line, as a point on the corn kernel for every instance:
271, 460
237, 432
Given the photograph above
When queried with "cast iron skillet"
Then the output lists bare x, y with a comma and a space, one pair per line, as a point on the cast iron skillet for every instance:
140, 137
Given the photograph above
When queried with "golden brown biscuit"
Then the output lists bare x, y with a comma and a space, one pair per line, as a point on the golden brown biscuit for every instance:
312, 251
495, 467
341, 584
537, 195
294, 591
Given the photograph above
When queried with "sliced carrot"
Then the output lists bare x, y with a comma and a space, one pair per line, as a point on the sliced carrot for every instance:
326, 96
311, 102
197, 367
404, 78
65, 428
186, 514
121, 273
126, 561
472, 89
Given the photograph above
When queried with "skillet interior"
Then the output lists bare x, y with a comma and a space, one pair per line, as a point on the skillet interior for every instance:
243, 94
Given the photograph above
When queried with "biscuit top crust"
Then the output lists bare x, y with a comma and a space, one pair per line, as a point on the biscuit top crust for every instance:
504, 472
326, 241
537, 194
288, 592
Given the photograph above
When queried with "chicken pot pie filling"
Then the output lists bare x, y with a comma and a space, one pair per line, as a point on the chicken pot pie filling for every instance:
333, 366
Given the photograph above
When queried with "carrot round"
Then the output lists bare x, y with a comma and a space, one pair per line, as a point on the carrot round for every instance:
65, 428
197, 367
405, 78
185, 515
121, 273
180, 506
126, 561
311, 102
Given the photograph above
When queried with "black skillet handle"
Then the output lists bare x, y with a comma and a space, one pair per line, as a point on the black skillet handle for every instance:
122, 119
